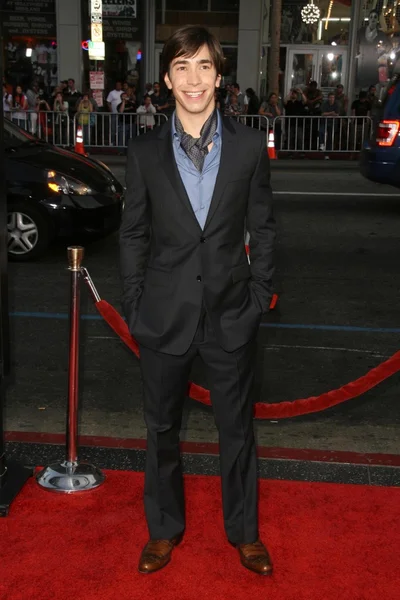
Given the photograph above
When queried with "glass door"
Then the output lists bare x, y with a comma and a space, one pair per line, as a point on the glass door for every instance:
332, 68
326, 65
301, 68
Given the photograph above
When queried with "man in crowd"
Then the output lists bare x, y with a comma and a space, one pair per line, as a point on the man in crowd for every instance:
242, 100
329, 109
158, 100
113, 101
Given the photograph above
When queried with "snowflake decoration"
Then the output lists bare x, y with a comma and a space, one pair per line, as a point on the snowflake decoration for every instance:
310, 13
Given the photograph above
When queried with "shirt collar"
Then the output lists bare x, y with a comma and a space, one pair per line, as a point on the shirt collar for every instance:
218, 131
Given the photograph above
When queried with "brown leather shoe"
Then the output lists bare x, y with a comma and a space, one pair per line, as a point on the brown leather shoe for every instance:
255, 557
156, 554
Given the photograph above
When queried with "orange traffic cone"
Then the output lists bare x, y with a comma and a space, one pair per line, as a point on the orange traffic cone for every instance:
79, 146
271, 146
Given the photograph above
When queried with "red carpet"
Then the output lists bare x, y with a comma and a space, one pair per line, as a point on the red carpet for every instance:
328, 542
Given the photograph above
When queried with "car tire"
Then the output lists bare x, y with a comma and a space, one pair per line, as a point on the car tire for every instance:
29, 232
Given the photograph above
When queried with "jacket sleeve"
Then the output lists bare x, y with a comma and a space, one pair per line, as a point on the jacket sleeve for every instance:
261, 226
134, 236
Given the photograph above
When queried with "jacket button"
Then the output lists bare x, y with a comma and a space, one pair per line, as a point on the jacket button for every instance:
198, 277
202, 240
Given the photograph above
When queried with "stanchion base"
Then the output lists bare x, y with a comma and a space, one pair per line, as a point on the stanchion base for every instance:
70, 477
14, 480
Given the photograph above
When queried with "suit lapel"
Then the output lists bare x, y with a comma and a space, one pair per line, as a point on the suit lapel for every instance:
167, 159
225, 166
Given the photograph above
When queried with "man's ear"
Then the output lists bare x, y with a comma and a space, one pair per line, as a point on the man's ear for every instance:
167, 81
218, 81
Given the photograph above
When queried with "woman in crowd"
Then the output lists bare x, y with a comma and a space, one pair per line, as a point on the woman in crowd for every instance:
42, 108
61, 121
7, 102
83, 109
19, 107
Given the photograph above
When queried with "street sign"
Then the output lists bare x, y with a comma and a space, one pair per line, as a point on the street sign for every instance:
96, 7
96, 79
97, 50
96, 32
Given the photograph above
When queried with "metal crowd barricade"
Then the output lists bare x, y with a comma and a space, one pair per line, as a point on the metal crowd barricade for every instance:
329, 134
260, 122
293, 134
52, 127
103, 130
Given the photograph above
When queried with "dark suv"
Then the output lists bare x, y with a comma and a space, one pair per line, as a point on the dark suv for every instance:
380, 158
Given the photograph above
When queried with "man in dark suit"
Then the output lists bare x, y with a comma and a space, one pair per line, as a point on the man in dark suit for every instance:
193, 187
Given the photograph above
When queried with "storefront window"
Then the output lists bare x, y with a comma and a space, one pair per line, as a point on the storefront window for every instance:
122, 35
378, 52
29, 43
320, 51
332, 26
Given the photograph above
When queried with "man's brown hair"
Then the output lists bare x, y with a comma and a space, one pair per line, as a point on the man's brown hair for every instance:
187, 41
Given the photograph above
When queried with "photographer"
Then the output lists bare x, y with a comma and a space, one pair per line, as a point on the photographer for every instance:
146, 112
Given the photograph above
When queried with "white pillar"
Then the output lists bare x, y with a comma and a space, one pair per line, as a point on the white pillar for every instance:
69, 39
249, 43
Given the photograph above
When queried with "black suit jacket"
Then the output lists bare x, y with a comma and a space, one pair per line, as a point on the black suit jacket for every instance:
170, 266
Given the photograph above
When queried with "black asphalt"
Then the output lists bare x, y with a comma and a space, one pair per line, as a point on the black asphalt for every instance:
337, 269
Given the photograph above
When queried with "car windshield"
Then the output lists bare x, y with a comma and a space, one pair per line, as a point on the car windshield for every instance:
15, 136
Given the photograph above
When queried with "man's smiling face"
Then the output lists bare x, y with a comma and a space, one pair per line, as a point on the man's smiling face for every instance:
193, 81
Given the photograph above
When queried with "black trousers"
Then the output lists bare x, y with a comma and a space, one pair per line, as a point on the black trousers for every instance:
165, 379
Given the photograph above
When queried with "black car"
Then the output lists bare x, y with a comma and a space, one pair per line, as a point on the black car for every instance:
54, 192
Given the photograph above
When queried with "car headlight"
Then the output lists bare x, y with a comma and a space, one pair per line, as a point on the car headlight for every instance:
61, 184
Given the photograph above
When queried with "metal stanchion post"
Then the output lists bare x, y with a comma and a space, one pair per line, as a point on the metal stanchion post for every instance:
71, 475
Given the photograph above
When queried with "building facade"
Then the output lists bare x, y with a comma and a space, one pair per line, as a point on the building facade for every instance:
353, 42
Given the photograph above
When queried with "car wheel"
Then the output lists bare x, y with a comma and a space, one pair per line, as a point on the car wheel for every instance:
28, 232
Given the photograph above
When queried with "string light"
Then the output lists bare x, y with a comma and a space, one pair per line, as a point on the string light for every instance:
310, 13
328, 15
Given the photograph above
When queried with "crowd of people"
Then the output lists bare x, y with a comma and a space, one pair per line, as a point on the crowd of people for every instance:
125, 113
53, 115
301, 133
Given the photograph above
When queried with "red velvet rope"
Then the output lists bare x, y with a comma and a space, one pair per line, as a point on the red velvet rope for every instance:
280, 410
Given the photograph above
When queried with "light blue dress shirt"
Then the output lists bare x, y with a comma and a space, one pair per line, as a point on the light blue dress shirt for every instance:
199, 186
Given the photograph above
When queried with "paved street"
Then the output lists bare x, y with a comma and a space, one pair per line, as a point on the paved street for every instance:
337, 278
